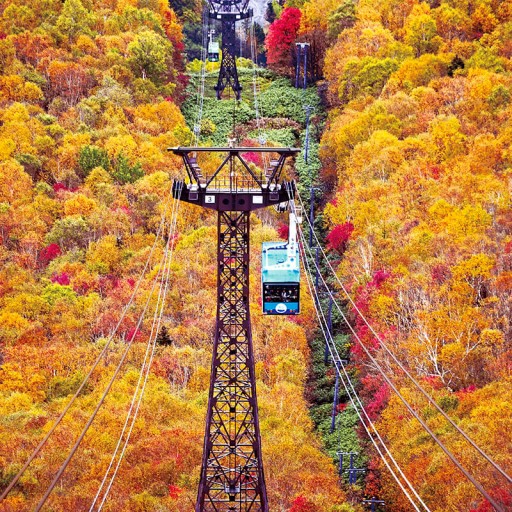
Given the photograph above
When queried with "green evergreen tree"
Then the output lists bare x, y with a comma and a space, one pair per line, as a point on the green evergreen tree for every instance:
124, 172
91, 157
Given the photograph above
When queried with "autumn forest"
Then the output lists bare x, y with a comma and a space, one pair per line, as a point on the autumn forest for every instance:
400, 361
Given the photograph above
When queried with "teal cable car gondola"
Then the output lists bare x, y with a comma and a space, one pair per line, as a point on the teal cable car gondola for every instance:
213, 51
280, 274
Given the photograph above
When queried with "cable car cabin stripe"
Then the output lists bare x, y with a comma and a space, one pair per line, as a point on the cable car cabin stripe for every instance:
281, 308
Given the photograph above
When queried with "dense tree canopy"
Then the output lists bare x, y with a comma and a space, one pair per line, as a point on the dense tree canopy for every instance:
90, 96
416, 163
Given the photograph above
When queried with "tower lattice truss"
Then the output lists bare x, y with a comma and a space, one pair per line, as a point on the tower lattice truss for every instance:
232, 472
229, 12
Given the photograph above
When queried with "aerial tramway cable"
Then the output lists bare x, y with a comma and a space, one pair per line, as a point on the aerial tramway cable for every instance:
65, 464
255, 82
262, 139
345, 377
450, 455
353, 396
475, 483
99, 358
100, 403
145, 370
202, 76
402, 367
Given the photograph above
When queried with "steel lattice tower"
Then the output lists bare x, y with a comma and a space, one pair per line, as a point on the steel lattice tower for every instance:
228, 12
232, 471
232, 478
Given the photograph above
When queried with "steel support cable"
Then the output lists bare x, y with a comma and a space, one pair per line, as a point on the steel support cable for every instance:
141, 394
241, 35
262, 138
454, 460
100, 403
254, 85
351, 392
57, 422
258, 84
418, 386
308, 109
450, 455
254, 88
256, 92
145, 369
201, 84
152, 345
334, 351
102, 399
203, 71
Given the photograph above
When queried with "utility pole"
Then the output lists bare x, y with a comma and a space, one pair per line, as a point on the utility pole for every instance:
335, 402
311, 215
352, 471
229, 12
302, 65
341, 456
352, 474
232, 477
317, 267
329, 330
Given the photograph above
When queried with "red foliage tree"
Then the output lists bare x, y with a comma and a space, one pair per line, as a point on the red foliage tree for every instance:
501, 495
281, 35
302, 504
379, 277
283, 230
341, 407
62, 279
175, 35
338, 237
49, 253
57, 187
174, 491
379, 392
